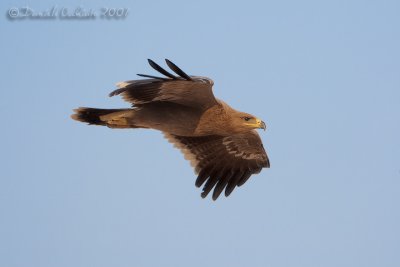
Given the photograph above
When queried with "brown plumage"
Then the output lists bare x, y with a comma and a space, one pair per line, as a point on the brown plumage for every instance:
220, 142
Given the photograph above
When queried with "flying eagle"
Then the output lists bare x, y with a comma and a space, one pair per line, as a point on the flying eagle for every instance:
220, 142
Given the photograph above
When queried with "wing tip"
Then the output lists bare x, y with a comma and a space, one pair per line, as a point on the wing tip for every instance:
177, 70
158, 68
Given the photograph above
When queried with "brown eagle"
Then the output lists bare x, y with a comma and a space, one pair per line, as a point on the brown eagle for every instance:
220, 142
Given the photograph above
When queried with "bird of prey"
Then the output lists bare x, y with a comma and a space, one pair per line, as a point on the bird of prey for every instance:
220, 142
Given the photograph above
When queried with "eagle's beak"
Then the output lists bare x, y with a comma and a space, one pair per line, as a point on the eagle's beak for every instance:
261, 124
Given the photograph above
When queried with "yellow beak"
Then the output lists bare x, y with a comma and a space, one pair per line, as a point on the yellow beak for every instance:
259, 124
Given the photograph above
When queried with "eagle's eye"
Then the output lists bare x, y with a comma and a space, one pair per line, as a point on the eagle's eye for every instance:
246, 118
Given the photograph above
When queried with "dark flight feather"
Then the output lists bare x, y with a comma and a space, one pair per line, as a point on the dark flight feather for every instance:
244, 178
211, 182
159, 69
232, 183
222, 184
203, 175
177, 70
151, 76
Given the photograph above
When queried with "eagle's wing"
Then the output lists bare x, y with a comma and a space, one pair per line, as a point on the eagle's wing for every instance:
223, 161
186, 90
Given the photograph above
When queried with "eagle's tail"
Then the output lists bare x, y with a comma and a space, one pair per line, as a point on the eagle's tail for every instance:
113, 118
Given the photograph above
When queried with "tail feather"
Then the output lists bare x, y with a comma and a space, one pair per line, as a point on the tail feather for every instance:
107, 117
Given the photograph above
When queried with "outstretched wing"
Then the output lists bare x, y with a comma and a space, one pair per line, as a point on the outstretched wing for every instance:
222, 162
186, 90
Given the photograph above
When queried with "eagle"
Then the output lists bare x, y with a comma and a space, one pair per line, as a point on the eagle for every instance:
221, 143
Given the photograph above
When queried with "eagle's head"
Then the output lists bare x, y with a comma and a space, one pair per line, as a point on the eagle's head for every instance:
248, 122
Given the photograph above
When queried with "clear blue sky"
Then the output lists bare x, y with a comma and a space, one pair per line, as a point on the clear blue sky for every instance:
324, 75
